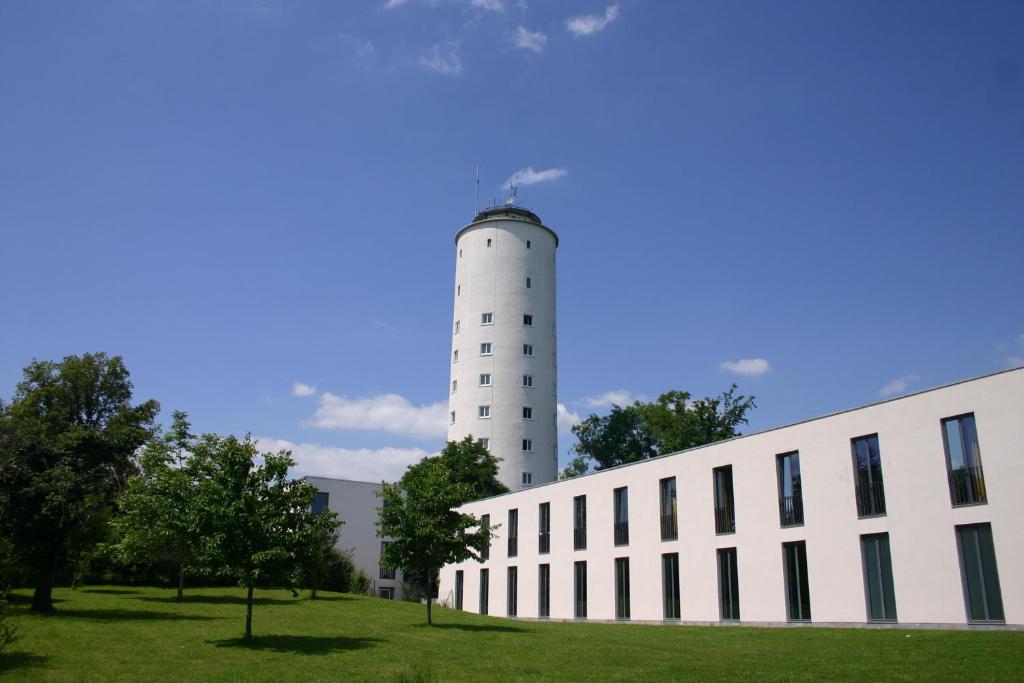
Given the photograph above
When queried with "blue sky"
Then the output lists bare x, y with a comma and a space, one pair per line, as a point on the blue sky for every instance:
240, 196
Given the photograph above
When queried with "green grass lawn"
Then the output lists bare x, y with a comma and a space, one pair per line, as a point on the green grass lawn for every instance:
144, 634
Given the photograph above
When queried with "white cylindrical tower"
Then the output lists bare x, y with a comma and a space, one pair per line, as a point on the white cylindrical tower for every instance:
504, 364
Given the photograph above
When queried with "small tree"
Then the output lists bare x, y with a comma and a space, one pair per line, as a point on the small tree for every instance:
326, 567
256, 521
469, 462
420, 514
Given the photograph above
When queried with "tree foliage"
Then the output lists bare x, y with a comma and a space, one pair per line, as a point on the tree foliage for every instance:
420, 513
673, 423
469, 462
66, 445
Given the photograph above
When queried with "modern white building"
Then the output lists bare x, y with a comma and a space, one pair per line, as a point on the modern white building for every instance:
907, 511
503, 360
356, 503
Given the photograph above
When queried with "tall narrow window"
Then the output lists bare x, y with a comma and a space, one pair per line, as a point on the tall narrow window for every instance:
878, 587
513, 533
669, 522
728, 585
527, 244
621, 499
980, 576
486, 318
512, 591
485, 521
385, 572
544, 591
485, 379
867, 466
798, 598
456, 327
451, 417
579, 523
963, 459
622, 588
725, 520
455, 356
670, 585
528, 283
544, 528
580, 581
485, 590
488, 241
459, 585
527, 349
791, 501
455, 385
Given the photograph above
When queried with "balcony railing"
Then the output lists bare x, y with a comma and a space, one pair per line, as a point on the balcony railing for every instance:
725, 520
621, 533
386, 573
791, 510
669, 528
579, 538
967, 485
544, 543
870, 499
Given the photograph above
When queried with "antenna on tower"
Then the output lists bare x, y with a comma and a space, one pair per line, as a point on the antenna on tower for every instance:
476, 196
512, 195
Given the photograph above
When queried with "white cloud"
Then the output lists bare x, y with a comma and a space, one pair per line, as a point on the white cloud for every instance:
384, 412
746, 366
300, 389
618, 397
529, 40
898, 385
588, 24
445, 62
492, 5
391, 4
527, 176
566, 419
359, 464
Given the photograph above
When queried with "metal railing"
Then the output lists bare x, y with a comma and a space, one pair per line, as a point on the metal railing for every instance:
579, 538
669, 528
967, 485
791, 510
621, 533
870, 499
725, 519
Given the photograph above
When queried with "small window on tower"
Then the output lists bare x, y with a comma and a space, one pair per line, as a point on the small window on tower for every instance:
527, 380
527, 349
486, 443
455, 356
486, 318
456, 327
452, 416
485, 380
458, 290
528, 283
527, 444
527, 478
484, 411
488, 241
527, 413
485, 349
528, 320
460, 253
527, 244
455, 385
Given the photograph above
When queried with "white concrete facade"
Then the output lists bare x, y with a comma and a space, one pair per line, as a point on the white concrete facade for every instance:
356, 503
504, 353
921, 520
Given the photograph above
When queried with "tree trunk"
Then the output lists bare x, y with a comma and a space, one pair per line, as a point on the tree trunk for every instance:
312, 595
248, 614
430, 594
42, 598
181, 580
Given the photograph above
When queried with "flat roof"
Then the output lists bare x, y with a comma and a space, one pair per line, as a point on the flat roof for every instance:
506, 212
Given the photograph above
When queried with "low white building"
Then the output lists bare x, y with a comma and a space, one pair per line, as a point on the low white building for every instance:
356, 503
906, 511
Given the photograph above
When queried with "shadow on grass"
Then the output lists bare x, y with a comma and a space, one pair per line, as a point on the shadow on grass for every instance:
21, 660
106, 591
331, 598
219, 600
19, 599
479, 628
125, 615
301, 645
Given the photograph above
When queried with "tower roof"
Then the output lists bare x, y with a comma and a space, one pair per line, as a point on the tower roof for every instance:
507, 212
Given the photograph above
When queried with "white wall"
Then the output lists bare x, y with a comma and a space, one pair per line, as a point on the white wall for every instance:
920, 518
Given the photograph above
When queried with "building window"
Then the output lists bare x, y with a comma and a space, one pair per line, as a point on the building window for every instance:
485, 379
484, 411
485, 522
527, 413
670, 585
728, 585
878, 587
527, 380
978, 568
451, 416
458, 290
486, 318
485, 442
791, 501
669, 523
455, 385
455, 356
527, 244
459, 585
798, 597
527, 444
385, 572
456, 327
320, 500
544, 528
528, 283
527, 349
544, 591
386, 592
580, 581
513, 533
485, 590
622, 588
488, 241
460, 253
963, 460
620, 497
579, 523
527, 478
512, 590
528, 320
725, 520
867, 466
485, 349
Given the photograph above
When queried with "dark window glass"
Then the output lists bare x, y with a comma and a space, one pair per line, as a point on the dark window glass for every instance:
513, 533
459, 585
579, 523
320, 499
669, 523
791, 502
544, 591
728, 585
544, 528
580, 576
485, 554
670, 584
621, 498
512, 591
622, 588
867, 464
385, 572
798, 597
963, 460
485, 589
725, 520
980, 577
878, 586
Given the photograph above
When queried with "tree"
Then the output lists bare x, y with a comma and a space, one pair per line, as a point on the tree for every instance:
420, 513
256, 522
644, 430
7, 560
158, 518
7, 631
66, 446
469, 462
